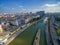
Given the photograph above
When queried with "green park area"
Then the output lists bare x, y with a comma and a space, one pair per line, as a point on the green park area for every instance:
58, 31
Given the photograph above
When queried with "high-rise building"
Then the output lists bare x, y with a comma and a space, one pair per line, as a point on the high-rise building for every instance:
41, 13
1, 29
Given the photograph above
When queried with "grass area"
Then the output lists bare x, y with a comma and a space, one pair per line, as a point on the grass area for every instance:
58, 31
26, 37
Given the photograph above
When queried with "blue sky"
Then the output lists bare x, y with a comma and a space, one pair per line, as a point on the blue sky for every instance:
18, 6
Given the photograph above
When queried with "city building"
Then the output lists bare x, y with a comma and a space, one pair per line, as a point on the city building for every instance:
20, 21
41, 13
1, 29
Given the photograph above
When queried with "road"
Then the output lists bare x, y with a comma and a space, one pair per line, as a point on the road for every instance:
53, 32
13, 36
47, 31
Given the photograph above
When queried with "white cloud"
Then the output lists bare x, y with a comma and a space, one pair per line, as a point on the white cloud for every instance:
46, 7
50, 7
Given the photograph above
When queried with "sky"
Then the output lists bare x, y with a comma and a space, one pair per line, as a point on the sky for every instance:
18, 6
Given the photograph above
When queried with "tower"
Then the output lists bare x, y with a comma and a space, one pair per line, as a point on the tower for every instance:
1, 29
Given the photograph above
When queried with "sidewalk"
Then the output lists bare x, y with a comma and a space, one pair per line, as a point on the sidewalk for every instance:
37, 38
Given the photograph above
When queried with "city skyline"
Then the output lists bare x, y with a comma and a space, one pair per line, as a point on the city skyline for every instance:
18, 6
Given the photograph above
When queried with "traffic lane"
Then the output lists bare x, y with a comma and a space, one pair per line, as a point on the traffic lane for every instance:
53, 32
48, 36
54, 37
13, 36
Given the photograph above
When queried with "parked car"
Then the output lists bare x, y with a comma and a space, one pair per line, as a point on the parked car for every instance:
23, 26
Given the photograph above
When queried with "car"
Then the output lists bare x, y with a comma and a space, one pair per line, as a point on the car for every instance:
23, 26
58, 39
28, 24
1, 43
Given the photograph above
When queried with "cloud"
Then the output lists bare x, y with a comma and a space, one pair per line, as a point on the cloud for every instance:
51, 5
20, 6
48, 8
